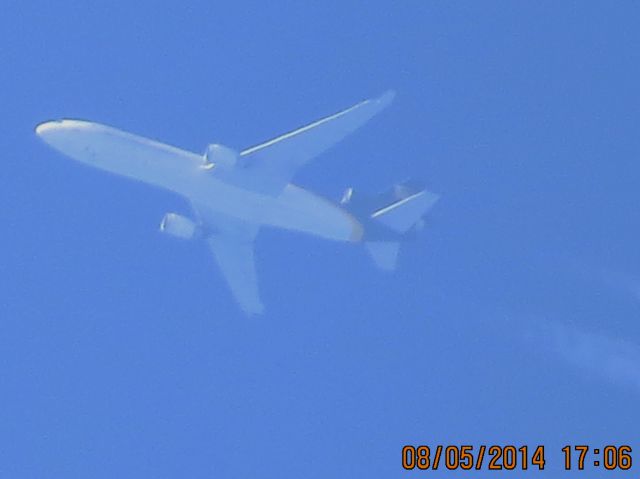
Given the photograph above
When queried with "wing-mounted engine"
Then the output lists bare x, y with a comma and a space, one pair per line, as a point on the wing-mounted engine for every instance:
179, 226
220, 157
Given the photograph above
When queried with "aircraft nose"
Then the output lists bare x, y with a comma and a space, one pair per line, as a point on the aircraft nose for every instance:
59, 134
69, 137
64, 125
47, 127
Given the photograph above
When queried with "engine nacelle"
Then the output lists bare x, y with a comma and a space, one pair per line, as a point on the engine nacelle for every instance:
177, 225
221, 157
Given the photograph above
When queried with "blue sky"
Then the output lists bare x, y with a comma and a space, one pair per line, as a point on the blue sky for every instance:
514, 318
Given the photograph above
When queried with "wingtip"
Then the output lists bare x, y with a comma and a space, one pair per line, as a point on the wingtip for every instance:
387, 97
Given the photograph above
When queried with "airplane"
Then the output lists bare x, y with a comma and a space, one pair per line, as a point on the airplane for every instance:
233, 194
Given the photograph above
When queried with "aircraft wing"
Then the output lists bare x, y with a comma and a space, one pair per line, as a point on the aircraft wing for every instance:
270, 166
232, 245
236, 262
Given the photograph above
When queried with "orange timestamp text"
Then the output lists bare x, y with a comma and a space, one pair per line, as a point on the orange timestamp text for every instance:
467, 457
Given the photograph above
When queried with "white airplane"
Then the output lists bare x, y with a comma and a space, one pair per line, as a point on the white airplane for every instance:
233, 193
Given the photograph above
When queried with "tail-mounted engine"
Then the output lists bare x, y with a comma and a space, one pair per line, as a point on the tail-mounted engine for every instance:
177, 225
364, 204
400, 209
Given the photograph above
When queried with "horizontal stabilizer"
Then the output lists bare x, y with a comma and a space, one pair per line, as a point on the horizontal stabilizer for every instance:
402, 215
384, 253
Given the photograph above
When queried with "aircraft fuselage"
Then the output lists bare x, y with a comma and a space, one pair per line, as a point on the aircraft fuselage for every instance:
188, 174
